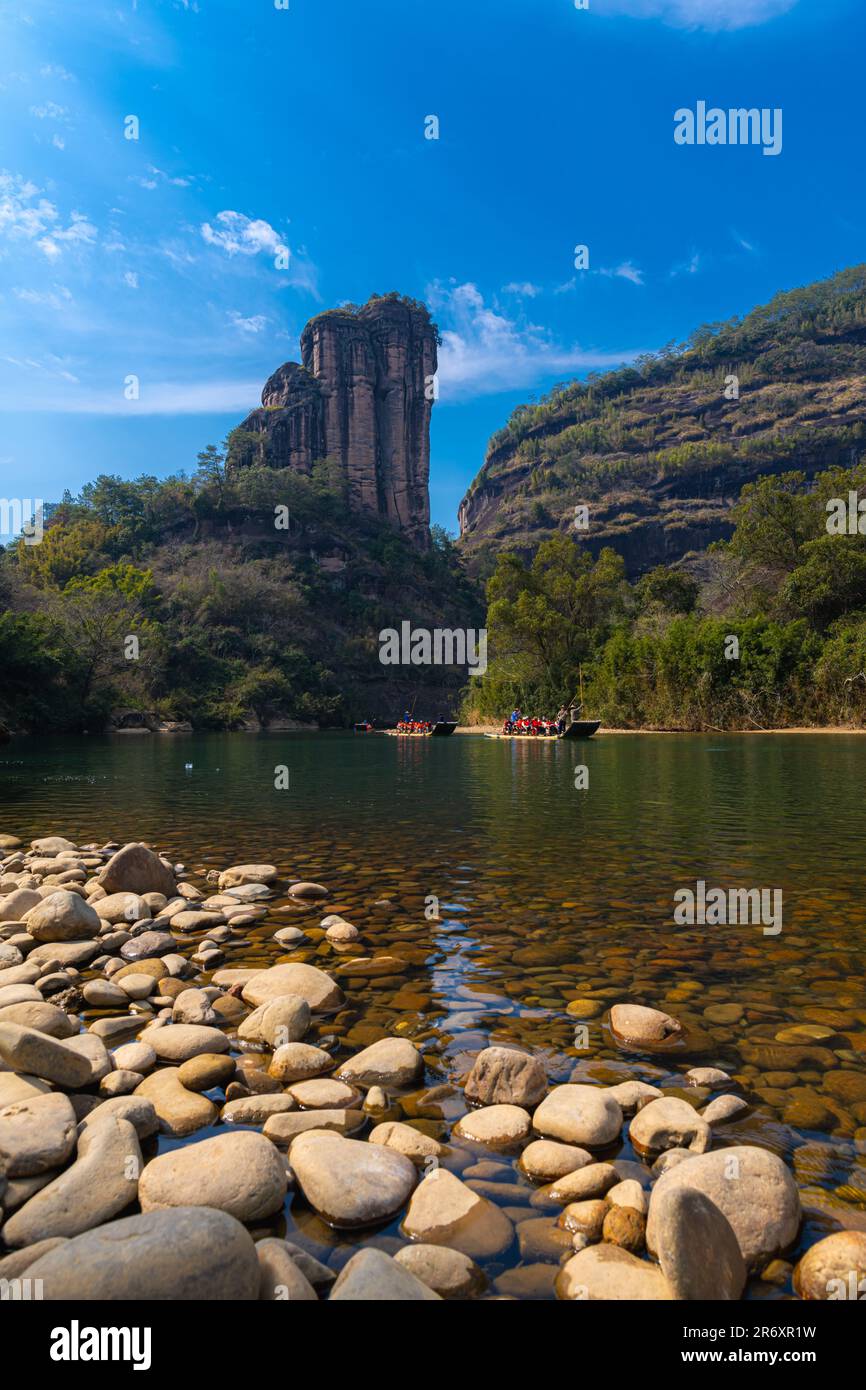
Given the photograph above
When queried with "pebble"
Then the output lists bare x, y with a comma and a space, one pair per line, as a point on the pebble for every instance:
449, 1273
585, 1218
751, 1187
186, 1254
283, 1128
123, 908
503, 1075
135, 1108
834, 1269
633, 1024
101, 1182
723, 1109
669, 1123
594, 1180
306, 981
388, 1062
544, 1160
192, 1006
371, 1276
325, 1094
582, 1115
624, 1227
707, 1076
181, 1041
298, 1062
444, 1211
496, 1126
696, 1246
628, 1194
255, 1110
206, 1071
36, 1135
242, 1174
350, 1183
135, 1056
180, 1111
405, 1139
606, 1273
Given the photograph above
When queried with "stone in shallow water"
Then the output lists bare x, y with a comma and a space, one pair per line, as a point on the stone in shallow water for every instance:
325, 1094
281, 1278
631, 1095
449, 1273
504, 1075
205, 1071
724, 1109
283, 1128
23, 1049
299, 1062
186, 1254
349, 1183
303, 889
388, 1062
669, 1123
545, 1160
278, 1022
696, 1246
122, 908
305, 981
37, 1135
64, 916
628, 1193
633, 1024
181, 1112
834, 1268
604, 1272
444, 1211
178, 1042
136, 869
247, 873
585, 1218
242, 1174
496, 1126
751, 1187
583, 1115
97, 1186
408, 1140
374, 1277
584, 1183
707, 1076
255, 1110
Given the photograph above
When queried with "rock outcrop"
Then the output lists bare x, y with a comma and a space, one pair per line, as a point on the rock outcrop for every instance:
361, 399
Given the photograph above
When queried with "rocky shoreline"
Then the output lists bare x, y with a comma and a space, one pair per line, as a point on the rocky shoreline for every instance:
122, 1020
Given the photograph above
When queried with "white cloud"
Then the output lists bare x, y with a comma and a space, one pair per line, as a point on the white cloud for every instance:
255, 324
689, 267
625, 271
131, 279
484, 352
58, 71
26, 216
524, 288
49, 111
58, 142
239, 235
699, 14
50, 299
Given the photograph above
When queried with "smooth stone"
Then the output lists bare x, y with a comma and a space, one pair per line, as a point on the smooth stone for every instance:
628, 1194
180, 1112
602, 1273
36, 1135
624, 1227
191, 919
585, 1218
178, 1042
388, 1062
707, 1076
135, 1056
102, 994
496, 1126
407, 1140
594, 1180
582, 1115
283, 1128
247, 873
444, 1211
281, 1279
61, 954
503, 1075
308, 890
341, 932
123, 908
64, 916
42, 1018
146, 945
696, 1246
255, 1110
298, 1062
449, 1273
723, 1109
137, 986
96, 1187
14, 906
545, 1160
116, 1029
242, 1174
324, 1094
349, 1183
136, 869
281, 1021
206, 1071
12, 1266
185, 1255
135, 1108
834, 1268
15, 1086
306, 981
193, 1006
751, 1187
319, 1275
631, 1095
636, 1025
23, 1049
155, 967
372, 1276
119, 1083
669, 1123
18, 994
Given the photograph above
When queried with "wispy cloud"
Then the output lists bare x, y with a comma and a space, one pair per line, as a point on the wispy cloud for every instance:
625, 271
699, 14
239, 235
254, 324
524, 288
26, 216
483, 351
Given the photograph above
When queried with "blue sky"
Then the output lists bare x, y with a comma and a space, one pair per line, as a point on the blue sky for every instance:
304, 129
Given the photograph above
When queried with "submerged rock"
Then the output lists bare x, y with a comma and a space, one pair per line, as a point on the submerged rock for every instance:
372, 1276
639, 1026
350, 1183
444, 1211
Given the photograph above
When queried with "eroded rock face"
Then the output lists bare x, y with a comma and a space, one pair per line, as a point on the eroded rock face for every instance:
363, 398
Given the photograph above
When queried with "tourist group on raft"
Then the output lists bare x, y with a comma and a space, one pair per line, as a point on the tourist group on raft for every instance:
407, 725
520, 723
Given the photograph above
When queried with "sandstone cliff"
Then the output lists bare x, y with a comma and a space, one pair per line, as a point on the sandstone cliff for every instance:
362, 398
